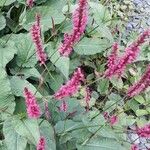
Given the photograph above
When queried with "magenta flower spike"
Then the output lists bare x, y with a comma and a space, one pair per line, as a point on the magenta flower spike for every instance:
63, 107
30, 3
141, 85
134, 147
41, 143
72, 86
144, 131
33, 109
36, 37
79, 19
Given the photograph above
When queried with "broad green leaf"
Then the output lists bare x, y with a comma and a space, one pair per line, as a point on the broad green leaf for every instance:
62, 63
117, 82
28, 128
6, 2
100, 12
103, 86
13, 140
6, 96
98, 143
26, 56
48, 132
51, 9
3, 21
139, 99
18, 85
142, 112
7, 52
91, 46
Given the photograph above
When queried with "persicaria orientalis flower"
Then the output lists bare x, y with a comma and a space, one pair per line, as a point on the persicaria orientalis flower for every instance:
141, 85
131, 53
33, 109
72, 86
64, 106
87, 97
41, 144
111, 119
134, 147
30, 3
144, 131
36, 37
79, 19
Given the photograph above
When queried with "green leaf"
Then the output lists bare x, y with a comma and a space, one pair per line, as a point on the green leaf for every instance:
48, 132
6, 52
18, 85
139, 99
51, 9
98, 143
3, 21
13, 140
26, 56
28, 128
100, 12
103, 86
117, 82
91, 46
6, 2
142, 112
62, 63
6, 97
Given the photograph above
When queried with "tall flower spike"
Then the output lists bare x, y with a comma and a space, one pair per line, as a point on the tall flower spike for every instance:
112, 60
131, 53
41, 144
36, 37
144, 131
30, 3
33, 109
63, 107
72, 86
141, 85
79, 19
134, 147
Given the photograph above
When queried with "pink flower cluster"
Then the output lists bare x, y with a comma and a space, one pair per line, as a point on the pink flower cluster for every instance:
36, 37
141, 85
131, 53
30, 3
33, 109
87, 97
134, 147
63, 107
112, 59
41, 144
79, 18
144, 131
72, 86
110, 119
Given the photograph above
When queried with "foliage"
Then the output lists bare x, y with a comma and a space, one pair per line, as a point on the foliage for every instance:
78, 127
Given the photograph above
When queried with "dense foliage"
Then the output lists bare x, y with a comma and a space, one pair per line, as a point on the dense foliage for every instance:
65, 71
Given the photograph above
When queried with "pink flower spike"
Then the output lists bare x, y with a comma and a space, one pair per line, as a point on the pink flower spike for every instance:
131, 53
87, 97
41, 144
141, 85
79, 19
36, 37
30, 3
72, 86
134, 147
113, 120
106, 115
112, 60
33, 109
47, 112
63, 107
144, 131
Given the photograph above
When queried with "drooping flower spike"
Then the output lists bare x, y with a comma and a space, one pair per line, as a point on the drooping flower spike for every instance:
131, 53
41, 144
30, 3
79, 19
144, 131
64, 106
141, 85
134, 147
36, 37
33, 109
72, 86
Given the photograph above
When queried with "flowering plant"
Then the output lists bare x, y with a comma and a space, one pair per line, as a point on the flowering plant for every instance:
67, 80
